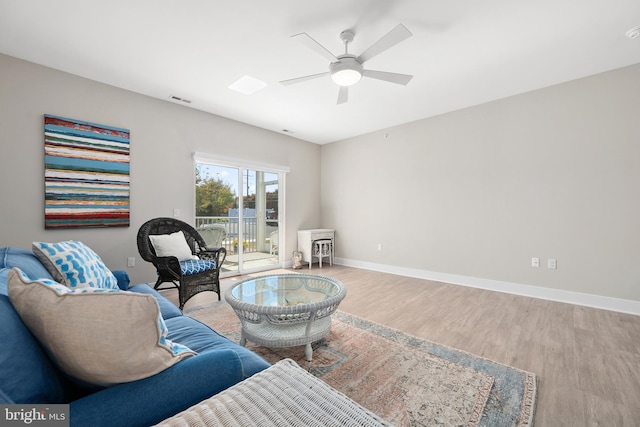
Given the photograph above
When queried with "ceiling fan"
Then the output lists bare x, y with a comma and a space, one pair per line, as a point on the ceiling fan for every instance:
347, 69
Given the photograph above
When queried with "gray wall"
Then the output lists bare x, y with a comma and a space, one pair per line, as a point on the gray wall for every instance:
163, 137
477, 193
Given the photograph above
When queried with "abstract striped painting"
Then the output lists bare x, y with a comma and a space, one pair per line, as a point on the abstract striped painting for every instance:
86, 174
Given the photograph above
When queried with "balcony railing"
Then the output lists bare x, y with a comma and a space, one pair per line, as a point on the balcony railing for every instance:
232, 225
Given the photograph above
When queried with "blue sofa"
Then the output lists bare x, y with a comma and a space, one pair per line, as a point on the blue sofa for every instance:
28, 375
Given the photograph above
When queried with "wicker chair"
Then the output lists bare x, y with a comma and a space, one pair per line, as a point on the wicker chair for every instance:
273, 244
213, 234
190, 277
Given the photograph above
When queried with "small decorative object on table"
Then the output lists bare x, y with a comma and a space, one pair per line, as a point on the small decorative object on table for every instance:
296, 260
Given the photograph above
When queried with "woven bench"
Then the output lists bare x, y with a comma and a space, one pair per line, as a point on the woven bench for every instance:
282, 395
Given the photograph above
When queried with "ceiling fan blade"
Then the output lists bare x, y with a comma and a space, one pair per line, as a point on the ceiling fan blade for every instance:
309, 42
343, 95
302, 79
392, 38
401, 79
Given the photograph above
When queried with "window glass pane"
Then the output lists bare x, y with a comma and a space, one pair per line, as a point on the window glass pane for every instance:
243, 204
217, 209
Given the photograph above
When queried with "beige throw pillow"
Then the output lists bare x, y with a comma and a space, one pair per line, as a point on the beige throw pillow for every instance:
101, 336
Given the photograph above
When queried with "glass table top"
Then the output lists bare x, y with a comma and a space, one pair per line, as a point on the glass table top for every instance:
286, 290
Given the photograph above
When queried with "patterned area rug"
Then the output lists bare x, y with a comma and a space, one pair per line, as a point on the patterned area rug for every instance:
406, 380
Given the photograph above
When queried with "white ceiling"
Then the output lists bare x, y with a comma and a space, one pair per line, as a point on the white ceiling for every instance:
462, 53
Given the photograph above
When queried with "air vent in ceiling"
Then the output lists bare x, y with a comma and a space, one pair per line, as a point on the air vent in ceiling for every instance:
177, 98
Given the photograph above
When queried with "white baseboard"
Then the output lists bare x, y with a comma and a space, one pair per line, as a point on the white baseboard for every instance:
570, 297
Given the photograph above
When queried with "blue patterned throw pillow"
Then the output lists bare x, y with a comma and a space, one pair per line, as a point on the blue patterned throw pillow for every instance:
82, 329
75, 265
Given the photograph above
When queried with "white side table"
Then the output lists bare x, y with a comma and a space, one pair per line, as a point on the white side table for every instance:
307, 237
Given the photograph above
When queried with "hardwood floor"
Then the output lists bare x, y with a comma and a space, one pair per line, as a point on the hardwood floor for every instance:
587, 360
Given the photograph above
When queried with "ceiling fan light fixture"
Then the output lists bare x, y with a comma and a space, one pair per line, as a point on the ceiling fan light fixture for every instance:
346, 77
346, 72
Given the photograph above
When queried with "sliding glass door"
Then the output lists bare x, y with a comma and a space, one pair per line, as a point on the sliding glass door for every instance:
240, 208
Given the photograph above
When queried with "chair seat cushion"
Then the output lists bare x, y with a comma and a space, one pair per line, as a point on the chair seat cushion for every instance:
195, 266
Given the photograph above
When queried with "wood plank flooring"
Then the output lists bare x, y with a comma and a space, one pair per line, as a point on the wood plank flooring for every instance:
587, 360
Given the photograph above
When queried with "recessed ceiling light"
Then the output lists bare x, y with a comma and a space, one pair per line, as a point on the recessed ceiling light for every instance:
247, 85
633, 33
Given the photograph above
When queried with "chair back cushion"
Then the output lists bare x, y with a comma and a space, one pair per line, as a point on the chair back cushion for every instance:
173, 244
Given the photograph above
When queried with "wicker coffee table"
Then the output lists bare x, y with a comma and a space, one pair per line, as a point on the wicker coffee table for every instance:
285, 310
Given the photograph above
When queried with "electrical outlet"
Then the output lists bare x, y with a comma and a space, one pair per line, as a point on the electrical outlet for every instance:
380, 247
535, 262
552, 263
176, 213
131, 261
